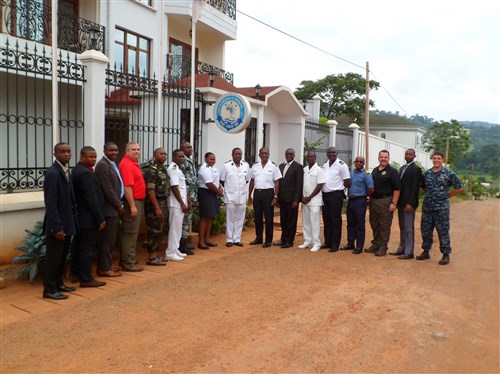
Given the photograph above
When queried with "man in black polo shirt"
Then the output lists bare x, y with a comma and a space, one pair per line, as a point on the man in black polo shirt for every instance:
383, 203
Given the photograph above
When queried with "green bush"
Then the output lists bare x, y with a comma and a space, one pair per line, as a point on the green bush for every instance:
33, 252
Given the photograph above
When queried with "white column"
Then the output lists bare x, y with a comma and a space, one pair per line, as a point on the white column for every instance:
333, 132
94, 95
355, 141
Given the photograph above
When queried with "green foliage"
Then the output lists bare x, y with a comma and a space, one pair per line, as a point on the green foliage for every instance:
341, 95
219, 221
395, 165
452, 135
33, 252
249, 217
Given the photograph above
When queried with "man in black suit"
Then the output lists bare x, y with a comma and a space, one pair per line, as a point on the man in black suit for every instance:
108, 175
59, 223
410, 175
89, 201
290, 194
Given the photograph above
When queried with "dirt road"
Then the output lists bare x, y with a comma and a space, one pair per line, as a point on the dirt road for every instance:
287, 310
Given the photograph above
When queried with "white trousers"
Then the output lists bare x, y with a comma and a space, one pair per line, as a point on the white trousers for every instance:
235, 218
310, 223
175, 219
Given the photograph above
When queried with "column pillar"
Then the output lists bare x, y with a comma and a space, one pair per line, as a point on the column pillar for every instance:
94, 96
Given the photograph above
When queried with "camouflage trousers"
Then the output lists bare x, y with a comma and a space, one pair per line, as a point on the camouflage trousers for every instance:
157, 228
439, 219
186, 224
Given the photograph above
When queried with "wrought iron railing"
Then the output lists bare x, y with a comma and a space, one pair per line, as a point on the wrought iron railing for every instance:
180, 67
31, 20
26, 118
227, 7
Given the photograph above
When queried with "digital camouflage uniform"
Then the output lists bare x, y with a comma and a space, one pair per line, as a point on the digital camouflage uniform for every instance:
436, 207
157, 229
189, 170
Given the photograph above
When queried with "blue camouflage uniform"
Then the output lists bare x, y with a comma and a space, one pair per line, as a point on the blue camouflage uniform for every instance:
436, 207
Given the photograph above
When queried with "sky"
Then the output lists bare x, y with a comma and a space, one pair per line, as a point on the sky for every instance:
437, 58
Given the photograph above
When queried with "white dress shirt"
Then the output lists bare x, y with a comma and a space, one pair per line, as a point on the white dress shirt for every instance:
235, 182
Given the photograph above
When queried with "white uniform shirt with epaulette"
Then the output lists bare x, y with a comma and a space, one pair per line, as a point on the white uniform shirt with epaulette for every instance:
177, 178
264, 177
312, 177
208, 174
335, 175
235, 182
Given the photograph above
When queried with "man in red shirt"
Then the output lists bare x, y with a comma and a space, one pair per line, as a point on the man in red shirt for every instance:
135, 192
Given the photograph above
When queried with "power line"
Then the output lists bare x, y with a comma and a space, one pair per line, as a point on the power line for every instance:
321, 50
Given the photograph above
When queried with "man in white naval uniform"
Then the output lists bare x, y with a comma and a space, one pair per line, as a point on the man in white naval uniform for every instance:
178, 203
233, 176
264, 177
312, 200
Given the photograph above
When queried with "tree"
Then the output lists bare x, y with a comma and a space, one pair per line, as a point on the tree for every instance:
341, 95
452, 135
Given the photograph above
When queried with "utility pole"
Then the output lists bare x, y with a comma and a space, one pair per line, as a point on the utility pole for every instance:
367, 117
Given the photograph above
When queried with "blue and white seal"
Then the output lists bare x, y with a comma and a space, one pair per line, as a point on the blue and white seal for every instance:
232, 113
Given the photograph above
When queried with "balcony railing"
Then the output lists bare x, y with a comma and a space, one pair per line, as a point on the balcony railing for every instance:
180, 67
31, 20
228, 7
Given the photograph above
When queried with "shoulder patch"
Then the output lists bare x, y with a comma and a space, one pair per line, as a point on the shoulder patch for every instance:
174, 166
341, 162
228, 161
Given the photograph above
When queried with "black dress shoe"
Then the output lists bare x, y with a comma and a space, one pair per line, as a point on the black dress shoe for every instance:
405, 257
396, 253
423, 256
238, 244
336, 249
229, 244
256, 241
371, 250
54, 296
445, 260
357, 251
65, 288
278, 243
203, 246
286, 245
347, 247
211, 244
267, 245
324, 246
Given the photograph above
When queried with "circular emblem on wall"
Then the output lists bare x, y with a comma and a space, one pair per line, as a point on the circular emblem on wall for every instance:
232, 113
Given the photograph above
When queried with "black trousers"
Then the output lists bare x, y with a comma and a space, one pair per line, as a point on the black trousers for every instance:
332, 217
356, 231
55, 260
263, 209
81, 254
288, 221
106, 244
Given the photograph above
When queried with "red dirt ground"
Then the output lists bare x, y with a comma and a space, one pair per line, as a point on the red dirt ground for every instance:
231, 310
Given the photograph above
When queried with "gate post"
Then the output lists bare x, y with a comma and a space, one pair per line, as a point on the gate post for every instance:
355, 141
332, 140
94, 98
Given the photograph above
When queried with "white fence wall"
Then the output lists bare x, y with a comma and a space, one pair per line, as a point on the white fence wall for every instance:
397, 151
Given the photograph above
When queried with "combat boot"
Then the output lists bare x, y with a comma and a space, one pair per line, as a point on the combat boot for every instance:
445, 260
184, 248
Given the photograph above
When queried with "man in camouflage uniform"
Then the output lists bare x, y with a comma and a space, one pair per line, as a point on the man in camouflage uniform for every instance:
156, 206
436, 183
191, 175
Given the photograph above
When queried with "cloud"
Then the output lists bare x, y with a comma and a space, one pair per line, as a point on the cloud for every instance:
435, 58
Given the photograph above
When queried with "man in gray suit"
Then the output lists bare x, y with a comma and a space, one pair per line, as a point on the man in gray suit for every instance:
112, 189
410, 175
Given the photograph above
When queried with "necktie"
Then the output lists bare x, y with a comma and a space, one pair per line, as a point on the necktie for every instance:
122, 192
286, 168
403, 170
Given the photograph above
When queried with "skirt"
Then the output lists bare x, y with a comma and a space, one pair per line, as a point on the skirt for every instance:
209, 204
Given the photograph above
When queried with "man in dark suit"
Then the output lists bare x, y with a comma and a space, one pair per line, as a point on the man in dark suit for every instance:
410, 175
108, 175
289, 197
90, 217
59, 222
